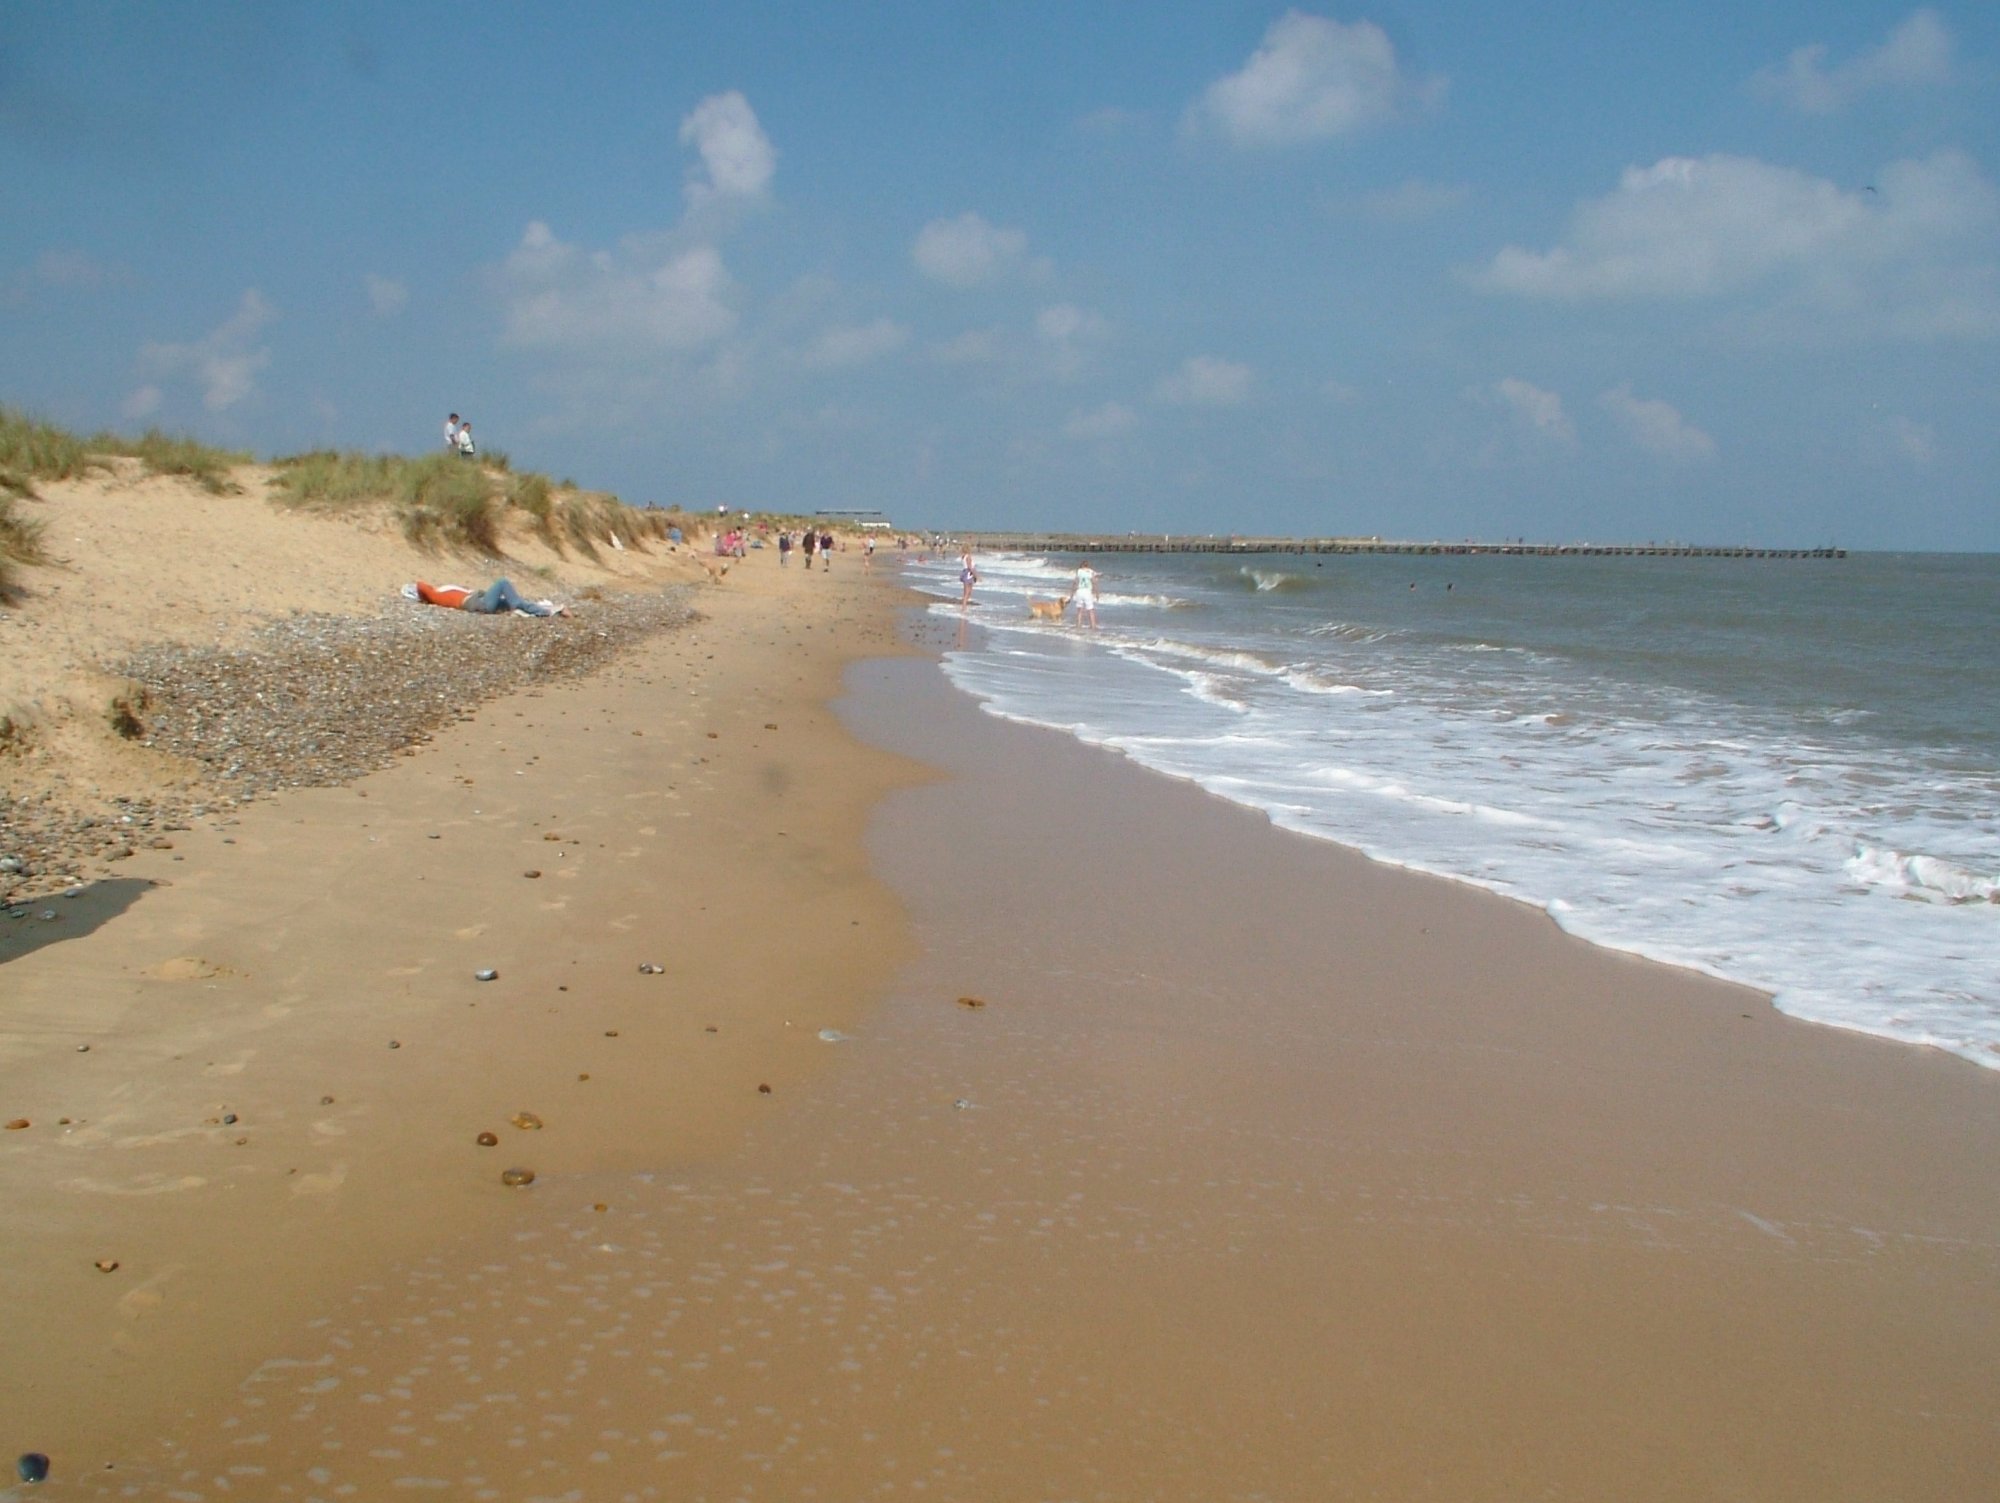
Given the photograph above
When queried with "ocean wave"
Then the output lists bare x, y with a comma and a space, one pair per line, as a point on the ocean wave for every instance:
1266, 580
1930, 878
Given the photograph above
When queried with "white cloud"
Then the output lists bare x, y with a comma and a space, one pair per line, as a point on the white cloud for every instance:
143, 402
736, 156
1068, 334
1917, 53
1112, 420
224, 362
1656, 426
1206, 381
644, 295
59, 270
386, 295
967, 251
1915, 258
1915, 441
1541, 412
856, 344
1311, 79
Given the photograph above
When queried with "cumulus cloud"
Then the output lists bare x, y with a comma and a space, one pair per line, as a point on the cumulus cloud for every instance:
737, 158
1916, 54
224, 362
644, 295
1656, 426
1913, 257
1540, 412
856, 344
1310, 79
967, 251
1112, 420
1068, 334
386, 295
1206, 381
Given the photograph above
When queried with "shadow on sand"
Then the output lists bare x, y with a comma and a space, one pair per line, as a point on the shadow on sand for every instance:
28, 927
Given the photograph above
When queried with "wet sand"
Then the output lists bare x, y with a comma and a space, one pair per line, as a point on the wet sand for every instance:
1261, 1172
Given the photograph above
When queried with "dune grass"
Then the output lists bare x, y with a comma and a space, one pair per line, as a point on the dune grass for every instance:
170, 454
443, 501
32, 450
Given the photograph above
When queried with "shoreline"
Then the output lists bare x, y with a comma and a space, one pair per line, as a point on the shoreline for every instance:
1263, 1169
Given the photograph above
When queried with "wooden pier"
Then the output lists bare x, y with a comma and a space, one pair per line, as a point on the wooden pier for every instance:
1060, 542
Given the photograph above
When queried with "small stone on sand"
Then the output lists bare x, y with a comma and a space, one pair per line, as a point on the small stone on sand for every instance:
487, 1140
526, 1121
971, 1001
517, 1177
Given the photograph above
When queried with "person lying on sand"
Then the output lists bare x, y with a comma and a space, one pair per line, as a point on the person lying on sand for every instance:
495, 598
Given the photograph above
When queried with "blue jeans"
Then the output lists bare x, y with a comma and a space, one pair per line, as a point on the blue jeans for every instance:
500, 596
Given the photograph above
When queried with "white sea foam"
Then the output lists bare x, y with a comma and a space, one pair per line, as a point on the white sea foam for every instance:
1792, 848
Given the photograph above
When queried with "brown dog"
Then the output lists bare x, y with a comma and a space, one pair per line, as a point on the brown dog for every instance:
1047, 610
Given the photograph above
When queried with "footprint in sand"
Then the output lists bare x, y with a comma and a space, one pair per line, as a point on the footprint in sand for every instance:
470, 931
190, 968
145, 1184
321, 1184
146, 1298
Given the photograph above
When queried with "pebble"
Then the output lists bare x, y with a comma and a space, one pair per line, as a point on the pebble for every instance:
229, 1119
531, 875
517, 1177
763, 1090
488, 975
277, 712
526, 1121
33, 1467
971, 1001
647, 968
487, 1140
107, 1265
17, 1124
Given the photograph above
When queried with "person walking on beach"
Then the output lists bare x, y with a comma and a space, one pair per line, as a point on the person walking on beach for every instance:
784, 548
825, 551
868, 552
811, 543
967, 578
1084, 596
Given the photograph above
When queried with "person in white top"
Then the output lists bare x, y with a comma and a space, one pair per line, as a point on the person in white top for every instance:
451, 432
1084, 596
465, 449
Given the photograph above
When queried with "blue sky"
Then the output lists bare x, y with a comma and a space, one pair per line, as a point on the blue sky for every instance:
1705, 272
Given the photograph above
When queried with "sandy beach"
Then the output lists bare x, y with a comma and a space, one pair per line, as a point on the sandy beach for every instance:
1115, 1145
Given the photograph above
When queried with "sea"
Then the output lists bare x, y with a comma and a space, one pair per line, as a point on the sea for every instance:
1784, 773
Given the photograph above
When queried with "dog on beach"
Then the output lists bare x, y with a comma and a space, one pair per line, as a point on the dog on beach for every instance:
1047, 610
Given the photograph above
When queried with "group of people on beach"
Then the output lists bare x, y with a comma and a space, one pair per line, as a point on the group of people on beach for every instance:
458, 436
810, 542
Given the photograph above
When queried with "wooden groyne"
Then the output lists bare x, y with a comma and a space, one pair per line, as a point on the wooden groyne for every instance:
1057, 542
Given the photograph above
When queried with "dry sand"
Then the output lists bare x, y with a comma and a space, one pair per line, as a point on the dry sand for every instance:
1261, 1172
